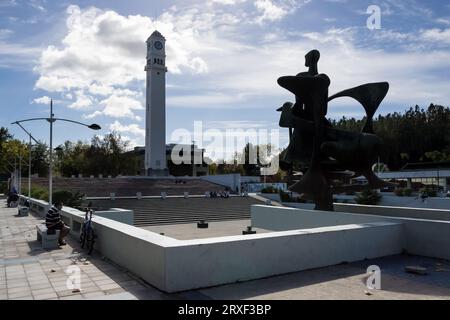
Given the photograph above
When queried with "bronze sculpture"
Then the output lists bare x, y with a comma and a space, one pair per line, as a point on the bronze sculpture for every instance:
328, 154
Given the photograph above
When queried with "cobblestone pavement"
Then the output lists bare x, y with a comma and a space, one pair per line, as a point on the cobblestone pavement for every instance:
29, 272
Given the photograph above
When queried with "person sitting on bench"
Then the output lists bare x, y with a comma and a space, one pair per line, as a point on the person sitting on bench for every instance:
53, 222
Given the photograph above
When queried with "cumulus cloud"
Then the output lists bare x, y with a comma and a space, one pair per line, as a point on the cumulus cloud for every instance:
42, 100
213, 62
269, 11
82, 101
117, 106
133, 129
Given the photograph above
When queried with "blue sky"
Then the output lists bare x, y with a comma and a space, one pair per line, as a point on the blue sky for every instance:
223, 56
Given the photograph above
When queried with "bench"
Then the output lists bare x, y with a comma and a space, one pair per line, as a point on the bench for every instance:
49, 241
23, 211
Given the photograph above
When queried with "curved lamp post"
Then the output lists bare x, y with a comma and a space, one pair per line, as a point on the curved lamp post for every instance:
29, 158
52, 119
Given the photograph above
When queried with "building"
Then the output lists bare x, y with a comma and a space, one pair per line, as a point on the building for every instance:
185, 169
155, 116
416, 175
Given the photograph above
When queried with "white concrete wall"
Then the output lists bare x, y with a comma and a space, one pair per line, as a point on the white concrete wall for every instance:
389, 199
321, 239
270, 196
229, 180
414, 213
202, 263
429, 238
250, 179
282, 219
38, 206
117, 214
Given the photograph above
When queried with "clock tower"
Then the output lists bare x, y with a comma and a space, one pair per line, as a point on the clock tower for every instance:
155, 115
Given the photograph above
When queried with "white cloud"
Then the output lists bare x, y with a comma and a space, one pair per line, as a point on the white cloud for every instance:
8, 3
117, 106
131, 142
133, 129
16, 54
214, 63
444, 20
82, 101
228, 2
269, 11
5, 33
42, 100
437, 35
37, 5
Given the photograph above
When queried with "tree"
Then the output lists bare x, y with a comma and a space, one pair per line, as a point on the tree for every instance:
368, 197
4, 135
104, 155
11, 152
39, 159
414, 136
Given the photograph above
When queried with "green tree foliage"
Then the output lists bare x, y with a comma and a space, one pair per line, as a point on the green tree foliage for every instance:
68, 198
368, 197
415, 136
4, 135
39, 159
12, 151
107, 155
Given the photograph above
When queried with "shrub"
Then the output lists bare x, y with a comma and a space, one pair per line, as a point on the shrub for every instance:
399, 192
37, 192
368, 197
284, 196
269, 189
407, 192
68, 198
428, 191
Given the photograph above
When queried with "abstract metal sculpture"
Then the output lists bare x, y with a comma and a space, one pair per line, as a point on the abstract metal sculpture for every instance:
326, 153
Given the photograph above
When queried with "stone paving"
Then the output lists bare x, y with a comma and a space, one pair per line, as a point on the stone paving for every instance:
347, 282
28, 272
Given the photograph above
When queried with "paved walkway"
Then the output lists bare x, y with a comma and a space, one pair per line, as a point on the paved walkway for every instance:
28, 272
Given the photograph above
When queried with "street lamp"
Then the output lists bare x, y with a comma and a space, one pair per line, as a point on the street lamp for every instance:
29, 159
52, 119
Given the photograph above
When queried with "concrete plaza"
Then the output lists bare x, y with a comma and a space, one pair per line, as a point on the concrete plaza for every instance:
28, 272
189, 231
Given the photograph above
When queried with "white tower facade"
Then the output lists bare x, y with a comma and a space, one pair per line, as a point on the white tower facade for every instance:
155, 122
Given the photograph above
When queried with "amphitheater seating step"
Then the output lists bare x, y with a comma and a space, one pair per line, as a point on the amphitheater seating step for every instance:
96, 187
179, 210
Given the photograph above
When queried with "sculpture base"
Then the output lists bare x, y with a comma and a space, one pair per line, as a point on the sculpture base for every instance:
157, 172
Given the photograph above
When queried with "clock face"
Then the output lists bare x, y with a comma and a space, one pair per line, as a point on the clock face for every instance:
158, 45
